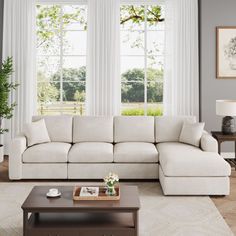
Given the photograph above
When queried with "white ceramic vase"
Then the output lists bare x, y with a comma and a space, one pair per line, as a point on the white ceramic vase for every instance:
1, 153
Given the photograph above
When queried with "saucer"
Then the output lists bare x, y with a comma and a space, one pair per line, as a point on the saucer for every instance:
53, 195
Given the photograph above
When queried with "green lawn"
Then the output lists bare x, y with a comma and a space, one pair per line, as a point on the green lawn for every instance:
140, 112
128, 109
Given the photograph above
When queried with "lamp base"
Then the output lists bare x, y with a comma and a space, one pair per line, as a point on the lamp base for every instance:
228, 125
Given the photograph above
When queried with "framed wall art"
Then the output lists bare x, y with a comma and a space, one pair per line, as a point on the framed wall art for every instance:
226, 52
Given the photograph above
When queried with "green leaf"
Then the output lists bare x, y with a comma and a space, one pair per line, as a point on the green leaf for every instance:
6, 109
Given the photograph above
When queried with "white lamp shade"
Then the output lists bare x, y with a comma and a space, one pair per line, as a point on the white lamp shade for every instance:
226, 107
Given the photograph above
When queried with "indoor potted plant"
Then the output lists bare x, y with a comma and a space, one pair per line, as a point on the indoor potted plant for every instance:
6, 109
110, 181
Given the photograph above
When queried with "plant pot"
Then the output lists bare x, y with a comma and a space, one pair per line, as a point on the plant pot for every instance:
1, 153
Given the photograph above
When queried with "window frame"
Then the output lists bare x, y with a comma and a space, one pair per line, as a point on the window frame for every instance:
82, 2
145, 3
145, 30
62, 55
62, 2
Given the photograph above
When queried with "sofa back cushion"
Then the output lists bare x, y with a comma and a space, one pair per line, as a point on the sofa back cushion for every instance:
36, 133
92, 129
134, 129
59, 127
168, 128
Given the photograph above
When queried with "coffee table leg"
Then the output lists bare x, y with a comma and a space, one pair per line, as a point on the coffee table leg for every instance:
25, 222
136, 223
36, 214
219, 147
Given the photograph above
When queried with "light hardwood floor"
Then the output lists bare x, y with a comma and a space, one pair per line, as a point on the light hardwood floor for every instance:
225, 204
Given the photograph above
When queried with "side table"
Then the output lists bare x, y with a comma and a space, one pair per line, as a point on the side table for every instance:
220, 137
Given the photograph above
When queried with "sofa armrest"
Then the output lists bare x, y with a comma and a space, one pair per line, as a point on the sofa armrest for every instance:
208, 143
17, 147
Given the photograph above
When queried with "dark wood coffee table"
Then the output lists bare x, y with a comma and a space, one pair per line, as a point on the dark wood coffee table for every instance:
62, 216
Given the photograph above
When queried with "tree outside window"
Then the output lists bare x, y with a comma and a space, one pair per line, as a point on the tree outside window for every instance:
61, 59
142, 59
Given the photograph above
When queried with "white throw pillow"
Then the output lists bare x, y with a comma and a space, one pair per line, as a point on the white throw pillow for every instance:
36, 132
191, 133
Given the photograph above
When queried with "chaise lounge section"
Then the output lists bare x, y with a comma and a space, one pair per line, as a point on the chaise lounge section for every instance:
186, 169
133, 147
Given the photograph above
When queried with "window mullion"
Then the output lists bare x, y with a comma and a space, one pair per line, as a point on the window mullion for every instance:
145, 60
61, 53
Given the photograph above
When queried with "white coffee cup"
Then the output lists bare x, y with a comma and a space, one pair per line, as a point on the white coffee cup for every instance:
53, 191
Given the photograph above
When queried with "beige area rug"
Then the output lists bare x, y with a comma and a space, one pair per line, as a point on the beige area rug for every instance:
159, 215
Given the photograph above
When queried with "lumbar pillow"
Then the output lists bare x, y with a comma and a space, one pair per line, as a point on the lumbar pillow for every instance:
36, 132
191, 133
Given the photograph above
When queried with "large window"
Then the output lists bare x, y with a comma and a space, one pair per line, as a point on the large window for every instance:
142, 59
61, 58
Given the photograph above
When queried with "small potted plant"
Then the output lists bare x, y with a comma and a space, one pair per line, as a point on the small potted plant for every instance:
110, 181
230, 53
6, 109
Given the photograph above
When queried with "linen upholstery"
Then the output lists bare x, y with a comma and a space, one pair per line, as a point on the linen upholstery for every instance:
59, 127
92, 129
124, 170
134, 129
17, 148
184, 169
191, 133
136, 152
208, 143
194, 185
91, 152
36, 132
44, 170
178, 159
168, 128
53, 152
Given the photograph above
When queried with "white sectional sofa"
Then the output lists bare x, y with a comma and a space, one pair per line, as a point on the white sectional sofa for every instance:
133, 147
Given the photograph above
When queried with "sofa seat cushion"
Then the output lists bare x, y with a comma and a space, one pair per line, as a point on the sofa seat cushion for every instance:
135, 152
178, 159
95, 152
53, 152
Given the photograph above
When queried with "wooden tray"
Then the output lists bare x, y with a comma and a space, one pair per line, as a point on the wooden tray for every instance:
101, 195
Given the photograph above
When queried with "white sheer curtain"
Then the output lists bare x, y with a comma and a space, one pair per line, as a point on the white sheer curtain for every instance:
103, 58
181, 81
19, 43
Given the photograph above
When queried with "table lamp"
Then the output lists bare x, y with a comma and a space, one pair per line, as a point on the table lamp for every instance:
226, 108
